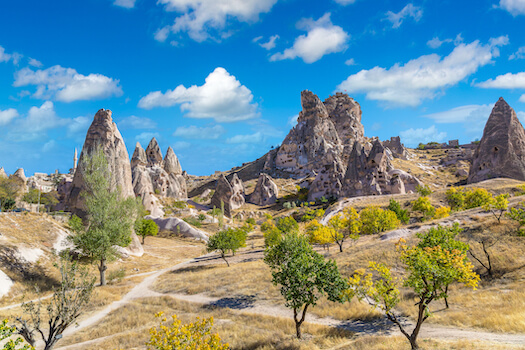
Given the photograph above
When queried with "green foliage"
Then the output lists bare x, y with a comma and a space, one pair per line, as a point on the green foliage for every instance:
146, 227
311, 214
109, 218
423, 191
302, 194
11, 344
498, 205
421, 146
518, 215
303, 275
477, 197
226, 241
179, 204
193, 221
287, 224
250, 221
423, 205
201, 217
9, 190
116, 275
272, 236
287, 205
402, 214
376, 220
8, 204
178, 336
456, 198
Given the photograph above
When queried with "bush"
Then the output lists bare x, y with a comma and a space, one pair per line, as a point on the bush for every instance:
311, 214
201, 217
423, 205
250, 221
287, 224
272, 237
442, 212
423, 191
287, 205
376, 220
193, 221
456, 198
179, 204
116, 275
477, 197
518, 215
402, 214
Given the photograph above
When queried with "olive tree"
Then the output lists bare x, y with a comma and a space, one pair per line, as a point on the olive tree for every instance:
109, 218
303, 275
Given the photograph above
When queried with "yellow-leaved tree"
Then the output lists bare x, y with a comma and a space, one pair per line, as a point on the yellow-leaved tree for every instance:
178, 336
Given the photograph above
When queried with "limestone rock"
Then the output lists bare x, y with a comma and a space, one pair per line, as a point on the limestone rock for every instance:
153, 153
266, 191
501, 151
171, 163
345, 113
2, 172
231, 195
396, 147
180, 227
23, 179
103, 132
139, 156
328, 182
135, 248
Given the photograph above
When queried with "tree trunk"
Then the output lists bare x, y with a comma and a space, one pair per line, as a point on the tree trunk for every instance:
298, 323
340, 247
143, 238
413, 344
224, 258
102, 269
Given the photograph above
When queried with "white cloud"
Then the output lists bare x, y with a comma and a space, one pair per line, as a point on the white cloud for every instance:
43, 118
412, 137
4, 56
78, 126
514, 7
270, 44
522, 98
345, 2
435, 42
521, 117
222, 97
408, 11
49, 145
194, 132
350, 62
66, 85
129, 4
518, 55
473, 117
322, 38
180, 145
506, 81
293, 120
253, 138
145, 137
7, 116
202, 18
134, 122
421, 78
35, 63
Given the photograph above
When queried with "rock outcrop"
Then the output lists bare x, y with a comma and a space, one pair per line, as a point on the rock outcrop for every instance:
501, 151
20, 174
155, 177
229, 194
103, 133
2, 172
396, 147
265, 192
179, 227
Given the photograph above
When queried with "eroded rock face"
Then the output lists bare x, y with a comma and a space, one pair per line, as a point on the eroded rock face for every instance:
2, 172
345, 113
396, 147
103, 132
229, 194
154, 177
266, 191
179, 227
328, 182
501, 151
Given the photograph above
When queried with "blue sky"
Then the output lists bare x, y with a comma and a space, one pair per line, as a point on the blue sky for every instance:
220, 80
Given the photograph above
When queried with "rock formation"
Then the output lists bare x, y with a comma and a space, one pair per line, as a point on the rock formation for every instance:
228, 193
103, 133
501, 151
396, 147
266, 191
154, 177
2, 172
179, 227
22, 176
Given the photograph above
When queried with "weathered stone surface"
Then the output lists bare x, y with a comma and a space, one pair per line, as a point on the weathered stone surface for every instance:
396, 147
153, 153
2, 172
104, 133
328, 182
171, 163
229, 194
501, 151
345, 113
265, 192
135, 248
179, 227
139, 156
20, 174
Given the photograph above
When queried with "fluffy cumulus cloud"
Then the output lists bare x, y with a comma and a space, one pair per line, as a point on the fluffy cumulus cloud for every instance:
423, 77
35, 63
473, 117
412, 137
203, 18
258, 137
514, 7
7, 116
322, 38
222, 98
129, 4
522, 98
409, 11
505, 81
194, 132
4, 56
66, 85
134, 122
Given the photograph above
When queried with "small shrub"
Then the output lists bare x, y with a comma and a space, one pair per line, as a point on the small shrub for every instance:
442, 212
423, 191
402, 214
287, 224
179, 204
287, 205
376, 220
456, 198
477, 197
250, 221
272, 237
116, 275
423, 205
311, 214
201, 217
518, 215
193, 221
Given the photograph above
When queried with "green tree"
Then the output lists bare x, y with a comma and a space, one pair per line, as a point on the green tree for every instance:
226, 241
11, 344
429, 269
423, 191
423, 205
518, 215
402, 214
68, 302
109, 219
146, 227
498, 206
10, 189
347, 225
287, 224
456, 198
376, 220
303, 275
477, 197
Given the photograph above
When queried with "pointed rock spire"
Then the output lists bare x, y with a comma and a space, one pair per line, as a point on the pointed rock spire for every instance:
139, 156
20, 174
2, 172
171, 163
501, 151
153, 153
